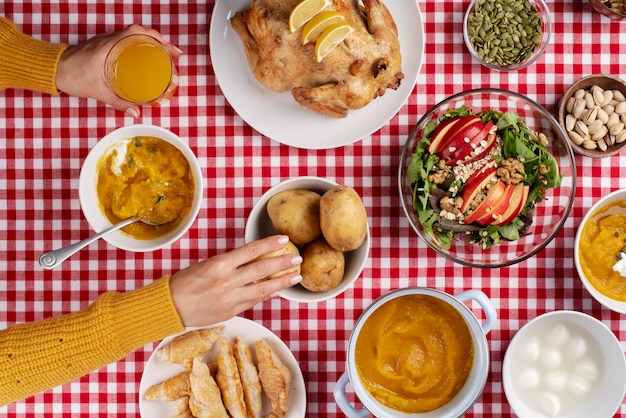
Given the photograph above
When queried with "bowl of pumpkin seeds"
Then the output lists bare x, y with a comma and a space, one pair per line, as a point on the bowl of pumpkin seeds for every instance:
507, 35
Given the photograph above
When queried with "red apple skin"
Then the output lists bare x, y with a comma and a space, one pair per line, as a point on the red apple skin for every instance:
440, 133
463, 154
475, 182
491, 142
495, 194
518, 201
499, 207
468, 130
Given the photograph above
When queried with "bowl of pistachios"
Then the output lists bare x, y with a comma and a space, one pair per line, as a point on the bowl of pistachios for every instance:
507, 35
614, 9
593, 113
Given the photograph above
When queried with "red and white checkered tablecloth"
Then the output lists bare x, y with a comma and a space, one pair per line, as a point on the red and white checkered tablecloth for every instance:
45, 139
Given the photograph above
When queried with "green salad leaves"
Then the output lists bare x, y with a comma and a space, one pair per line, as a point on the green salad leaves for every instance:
517, 141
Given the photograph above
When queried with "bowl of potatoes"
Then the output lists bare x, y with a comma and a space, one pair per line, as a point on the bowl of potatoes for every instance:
326, 224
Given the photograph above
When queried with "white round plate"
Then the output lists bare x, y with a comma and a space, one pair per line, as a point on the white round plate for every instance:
278, 116
249, 331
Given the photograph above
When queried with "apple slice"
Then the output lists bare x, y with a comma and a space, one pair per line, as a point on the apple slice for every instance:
518, 201
464, 154
471, 127
441, 132
491, 142
479, 179
499, 207
493, 197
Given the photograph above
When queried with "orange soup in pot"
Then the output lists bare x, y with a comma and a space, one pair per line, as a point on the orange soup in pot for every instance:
414, 353
601, 245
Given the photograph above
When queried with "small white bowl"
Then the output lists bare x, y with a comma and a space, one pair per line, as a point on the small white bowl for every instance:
260, 226
564, 358
612, 304
89, 200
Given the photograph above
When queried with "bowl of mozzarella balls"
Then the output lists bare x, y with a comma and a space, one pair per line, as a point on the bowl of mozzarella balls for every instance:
326, 223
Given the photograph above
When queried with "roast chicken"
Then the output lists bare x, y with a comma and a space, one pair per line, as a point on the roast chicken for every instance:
358, 70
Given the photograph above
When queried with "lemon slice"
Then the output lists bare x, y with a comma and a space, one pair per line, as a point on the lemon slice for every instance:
330, 38
318, 24
304, 11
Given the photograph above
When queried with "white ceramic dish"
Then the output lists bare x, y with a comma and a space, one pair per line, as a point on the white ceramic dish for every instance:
612, 304
259, 226
476, 380
278, 116
249, 331
585, 361
89, 199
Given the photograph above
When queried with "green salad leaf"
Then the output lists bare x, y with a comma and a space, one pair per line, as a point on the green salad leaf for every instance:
541, 172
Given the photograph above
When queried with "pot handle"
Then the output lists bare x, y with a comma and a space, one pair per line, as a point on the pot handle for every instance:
490, 311
340, 397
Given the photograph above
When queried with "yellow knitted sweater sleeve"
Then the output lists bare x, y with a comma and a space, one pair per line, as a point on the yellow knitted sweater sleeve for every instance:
27, 63
38, 356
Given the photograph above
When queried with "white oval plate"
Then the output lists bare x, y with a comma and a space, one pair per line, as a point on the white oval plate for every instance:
249, 331
278, 116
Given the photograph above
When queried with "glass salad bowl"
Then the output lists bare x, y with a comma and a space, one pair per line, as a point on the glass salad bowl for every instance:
513, 223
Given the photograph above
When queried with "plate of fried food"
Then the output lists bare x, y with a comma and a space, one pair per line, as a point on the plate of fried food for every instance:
273, 76
235, 368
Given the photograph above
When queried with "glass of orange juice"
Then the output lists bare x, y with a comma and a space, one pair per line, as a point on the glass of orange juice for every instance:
140, 70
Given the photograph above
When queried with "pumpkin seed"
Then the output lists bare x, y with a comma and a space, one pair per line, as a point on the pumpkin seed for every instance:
511, 28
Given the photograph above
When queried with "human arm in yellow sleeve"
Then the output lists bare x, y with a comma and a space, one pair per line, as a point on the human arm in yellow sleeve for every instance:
38, 356
77, 70
26, 62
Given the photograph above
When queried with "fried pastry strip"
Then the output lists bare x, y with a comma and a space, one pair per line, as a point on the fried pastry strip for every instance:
205, 400
229, 381
181, 408
249, 378
182, 349
275, 377
170, 389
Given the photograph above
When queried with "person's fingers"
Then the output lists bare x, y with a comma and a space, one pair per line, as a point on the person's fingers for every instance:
261, 269
257, 292
253, 250
134, 29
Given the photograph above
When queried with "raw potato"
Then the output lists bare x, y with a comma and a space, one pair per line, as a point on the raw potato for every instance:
296, 213
322, 266
287, 249
343, 218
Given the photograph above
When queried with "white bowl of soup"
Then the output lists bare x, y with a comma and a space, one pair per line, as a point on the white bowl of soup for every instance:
145, 172
417, 353
600, 251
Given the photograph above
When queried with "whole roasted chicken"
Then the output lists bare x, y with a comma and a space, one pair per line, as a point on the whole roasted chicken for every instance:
357, 71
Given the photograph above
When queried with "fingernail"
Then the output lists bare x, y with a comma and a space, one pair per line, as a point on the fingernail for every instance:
295, 260
132, 113
295, 279
283, 239
275, 294
177, 49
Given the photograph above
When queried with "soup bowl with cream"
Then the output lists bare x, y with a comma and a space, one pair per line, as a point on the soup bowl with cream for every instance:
417, 352
145, 172
600, 251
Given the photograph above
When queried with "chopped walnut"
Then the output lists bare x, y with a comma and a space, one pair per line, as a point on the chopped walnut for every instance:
511, 171
543, 169
450, 204
438, 177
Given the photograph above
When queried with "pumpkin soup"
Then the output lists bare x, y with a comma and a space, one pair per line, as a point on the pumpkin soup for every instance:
149, 178
601, 245
414, 353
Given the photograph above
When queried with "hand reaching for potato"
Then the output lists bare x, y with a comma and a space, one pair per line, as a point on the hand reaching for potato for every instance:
324, 227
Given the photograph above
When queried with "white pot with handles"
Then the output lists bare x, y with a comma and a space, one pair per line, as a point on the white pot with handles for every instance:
476, 379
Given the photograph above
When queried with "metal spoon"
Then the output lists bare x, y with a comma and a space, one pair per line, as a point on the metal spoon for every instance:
53, 258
